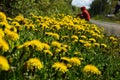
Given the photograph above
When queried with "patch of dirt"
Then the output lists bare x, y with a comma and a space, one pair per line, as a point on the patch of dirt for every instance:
111, 28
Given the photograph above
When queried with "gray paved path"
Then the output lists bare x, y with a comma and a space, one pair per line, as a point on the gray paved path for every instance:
111, 28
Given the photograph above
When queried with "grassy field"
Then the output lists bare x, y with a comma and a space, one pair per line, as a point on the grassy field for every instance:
59, 47
113, 19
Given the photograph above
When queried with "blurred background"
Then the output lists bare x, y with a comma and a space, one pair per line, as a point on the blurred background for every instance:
97, 8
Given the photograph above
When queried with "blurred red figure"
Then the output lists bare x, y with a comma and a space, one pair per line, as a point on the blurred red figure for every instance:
85, 14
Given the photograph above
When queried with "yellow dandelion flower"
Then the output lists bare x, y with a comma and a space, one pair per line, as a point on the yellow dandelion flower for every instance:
17, 25
19, 18
82, 41
34, 44
100, 36
77, 52
115, 42
113, 38
30, 26
4, 45
2, 17
63, 49
96, 44
5, 25
92, 40
97, 35
65, 46
13, 29
57, 50
44, 26
2, 33
64, 37
56, 27
87, 44
4, 65
26, 21
32, 14
20, 46
92, 69
27, 44
118, 38
83, 37
46, 46
74, 41
48, 33
75, 61
9, 19
56, 44
74, 37
78, 32
56, 36
65, 59
60, 66
97, 30
69, 65
48, 52
34, 63
78, 27
60, 50
103, 45
11, 35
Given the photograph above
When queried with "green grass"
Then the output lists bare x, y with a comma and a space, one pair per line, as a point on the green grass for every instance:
114, 19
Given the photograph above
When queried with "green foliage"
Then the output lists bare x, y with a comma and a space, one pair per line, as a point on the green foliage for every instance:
38, 7
98, 7
24, 7
102, 7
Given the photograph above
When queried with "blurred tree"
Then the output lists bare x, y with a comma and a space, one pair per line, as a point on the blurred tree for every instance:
98, 7
101, 7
